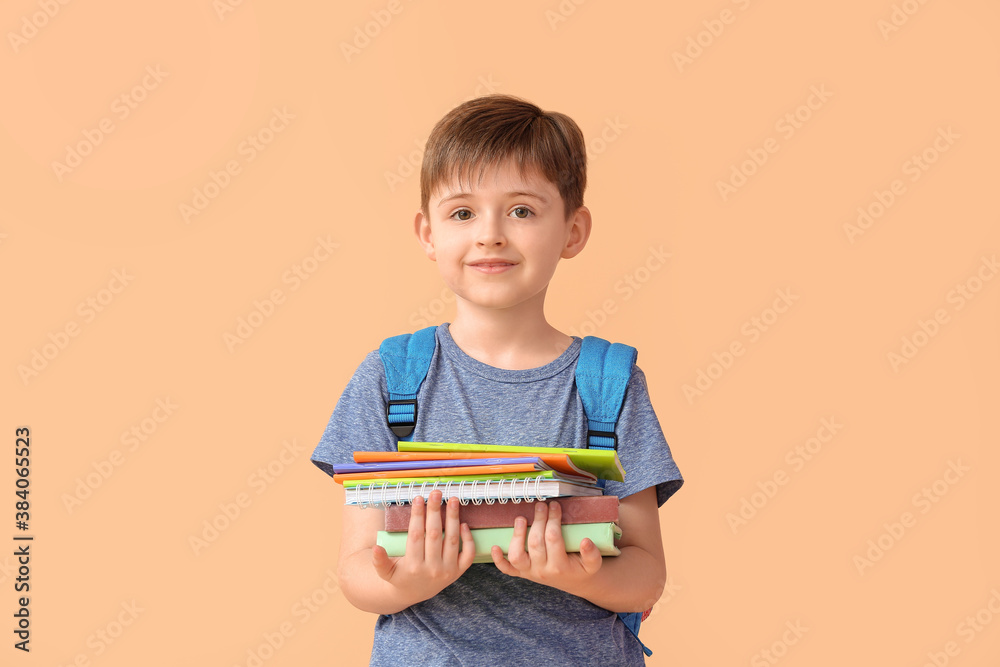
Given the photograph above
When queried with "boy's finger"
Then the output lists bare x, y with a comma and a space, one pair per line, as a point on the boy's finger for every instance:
452, 531
516, 554
590, 556
383, 565
433, 527
415, 533
468, 553
537, 533
502, 563
554, 543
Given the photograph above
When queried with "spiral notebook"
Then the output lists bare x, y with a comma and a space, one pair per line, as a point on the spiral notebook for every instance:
477, 491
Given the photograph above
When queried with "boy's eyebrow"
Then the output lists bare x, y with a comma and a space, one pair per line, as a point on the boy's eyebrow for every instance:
516, 193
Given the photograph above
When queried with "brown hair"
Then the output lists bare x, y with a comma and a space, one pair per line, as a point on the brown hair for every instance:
486, 131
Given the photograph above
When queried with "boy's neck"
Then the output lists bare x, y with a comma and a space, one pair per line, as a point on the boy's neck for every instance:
510, 339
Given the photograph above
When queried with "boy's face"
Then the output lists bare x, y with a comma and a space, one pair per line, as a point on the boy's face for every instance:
497, 243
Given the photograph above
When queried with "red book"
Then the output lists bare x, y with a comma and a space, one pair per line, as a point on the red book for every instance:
575, 509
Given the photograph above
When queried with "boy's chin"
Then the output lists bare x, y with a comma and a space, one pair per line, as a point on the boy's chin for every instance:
494, 303
495, 297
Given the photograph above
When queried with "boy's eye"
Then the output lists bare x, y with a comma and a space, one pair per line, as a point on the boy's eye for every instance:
526, 212
460, 214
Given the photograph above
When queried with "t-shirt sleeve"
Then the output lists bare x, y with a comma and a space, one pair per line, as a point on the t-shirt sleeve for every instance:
358, 420
642, 448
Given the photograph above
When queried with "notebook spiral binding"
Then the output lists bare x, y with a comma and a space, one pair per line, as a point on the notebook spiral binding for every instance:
380, 495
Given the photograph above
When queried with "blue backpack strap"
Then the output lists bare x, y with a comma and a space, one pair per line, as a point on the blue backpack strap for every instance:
602, 374
406, 359
632, 620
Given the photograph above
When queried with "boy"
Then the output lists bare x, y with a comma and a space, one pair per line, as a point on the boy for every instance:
501, 374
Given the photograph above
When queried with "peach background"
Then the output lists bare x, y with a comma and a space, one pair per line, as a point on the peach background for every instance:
653, 185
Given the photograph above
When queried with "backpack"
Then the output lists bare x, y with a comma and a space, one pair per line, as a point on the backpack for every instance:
602, 374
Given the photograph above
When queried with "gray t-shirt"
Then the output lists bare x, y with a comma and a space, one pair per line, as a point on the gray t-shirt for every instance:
487, 617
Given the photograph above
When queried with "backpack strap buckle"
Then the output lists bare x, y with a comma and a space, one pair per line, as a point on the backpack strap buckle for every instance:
602, 439
401, 415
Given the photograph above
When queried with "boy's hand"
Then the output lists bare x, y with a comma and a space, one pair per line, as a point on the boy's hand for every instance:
545, 561
432, 560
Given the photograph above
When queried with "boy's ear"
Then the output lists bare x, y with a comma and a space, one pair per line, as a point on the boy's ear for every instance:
580, 224
422, 227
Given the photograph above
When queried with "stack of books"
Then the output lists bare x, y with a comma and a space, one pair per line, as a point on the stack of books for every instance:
495, 485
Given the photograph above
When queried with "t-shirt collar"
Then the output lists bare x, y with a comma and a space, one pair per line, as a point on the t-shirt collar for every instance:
454, 353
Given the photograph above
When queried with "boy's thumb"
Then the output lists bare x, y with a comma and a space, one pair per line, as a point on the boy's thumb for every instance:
380, 559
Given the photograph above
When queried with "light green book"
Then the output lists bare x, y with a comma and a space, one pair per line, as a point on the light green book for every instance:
602, 534
601, 462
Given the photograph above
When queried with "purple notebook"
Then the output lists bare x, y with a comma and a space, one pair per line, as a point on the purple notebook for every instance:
446, 463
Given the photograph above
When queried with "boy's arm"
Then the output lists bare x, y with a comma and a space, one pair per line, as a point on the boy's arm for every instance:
372, 581
632, 581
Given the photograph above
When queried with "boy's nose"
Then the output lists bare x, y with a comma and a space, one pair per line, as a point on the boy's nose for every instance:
490, 233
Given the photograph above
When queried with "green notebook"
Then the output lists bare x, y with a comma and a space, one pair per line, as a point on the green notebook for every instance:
601, 462
602, 534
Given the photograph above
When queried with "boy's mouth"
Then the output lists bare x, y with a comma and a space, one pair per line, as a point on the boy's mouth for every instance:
492, 265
